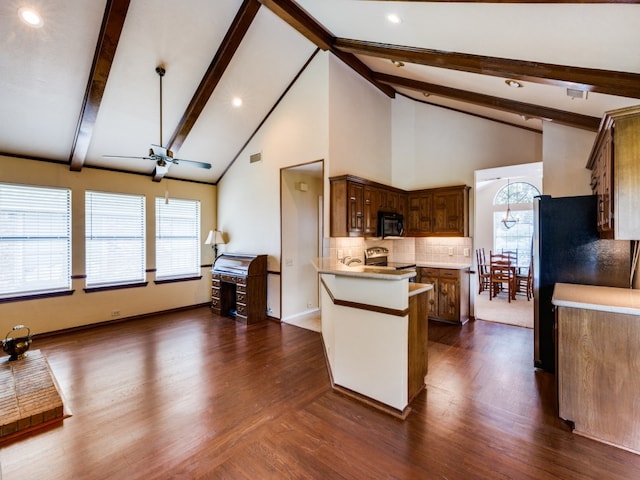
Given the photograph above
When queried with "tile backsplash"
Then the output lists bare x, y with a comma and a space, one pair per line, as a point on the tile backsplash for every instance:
419, 249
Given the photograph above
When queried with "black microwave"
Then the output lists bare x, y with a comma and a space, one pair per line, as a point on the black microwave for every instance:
390, 224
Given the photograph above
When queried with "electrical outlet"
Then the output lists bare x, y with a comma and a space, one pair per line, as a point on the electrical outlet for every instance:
115, 313
288, 262
340, 254
450, 251
308, 304
466, 252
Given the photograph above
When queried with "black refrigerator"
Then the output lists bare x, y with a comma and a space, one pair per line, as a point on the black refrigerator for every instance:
566, 248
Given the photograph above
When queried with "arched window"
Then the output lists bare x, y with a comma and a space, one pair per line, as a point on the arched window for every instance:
516, 200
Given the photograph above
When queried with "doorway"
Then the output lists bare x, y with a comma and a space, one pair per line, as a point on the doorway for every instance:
301, 209
489, 184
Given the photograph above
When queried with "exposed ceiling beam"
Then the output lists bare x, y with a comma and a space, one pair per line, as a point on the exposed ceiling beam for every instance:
234, 36
622, 84
515, 1
298, 18
584, 122
112, 22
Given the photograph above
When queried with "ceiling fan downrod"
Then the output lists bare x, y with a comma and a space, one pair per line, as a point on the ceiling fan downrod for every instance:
160, 70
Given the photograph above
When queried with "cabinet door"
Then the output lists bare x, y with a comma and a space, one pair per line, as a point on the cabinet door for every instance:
391, 201
371, 201
448, 210
605, 213
448, 298
430, 275
355, 208
420, 213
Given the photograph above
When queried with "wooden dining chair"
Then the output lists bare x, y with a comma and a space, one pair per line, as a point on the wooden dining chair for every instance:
501, 276
524, 283
483, 271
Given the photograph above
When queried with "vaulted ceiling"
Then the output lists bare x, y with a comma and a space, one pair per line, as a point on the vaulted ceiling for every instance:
82, 88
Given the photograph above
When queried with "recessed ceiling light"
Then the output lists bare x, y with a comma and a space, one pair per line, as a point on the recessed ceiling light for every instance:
426, 94
236, 102
393, 18
30, 16
513, 83
397, 63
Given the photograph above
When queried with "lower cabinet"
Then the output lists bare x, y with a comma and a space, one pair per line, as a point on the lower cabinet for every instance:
449, 299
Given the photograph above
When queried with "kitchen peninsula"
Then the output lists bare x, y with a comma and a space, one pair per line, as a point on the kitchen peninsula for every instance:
374, 327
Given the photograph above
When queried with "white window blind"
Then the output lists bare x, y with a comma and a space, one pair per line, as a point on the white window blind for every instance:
177, 238
35, 238
114, 239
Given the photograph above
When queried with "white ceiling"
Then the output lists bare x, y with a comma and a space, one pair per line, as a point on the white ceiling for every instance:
45, 71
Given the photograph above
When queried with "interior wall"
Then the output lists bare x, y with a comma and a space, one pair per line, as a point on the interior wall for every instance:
300, 240
565, 154
359, 126
56, 313
249, 193
448, 146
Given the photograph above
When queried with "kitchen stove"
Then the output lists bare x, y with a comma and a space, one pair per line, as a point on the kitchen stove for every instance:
378, 256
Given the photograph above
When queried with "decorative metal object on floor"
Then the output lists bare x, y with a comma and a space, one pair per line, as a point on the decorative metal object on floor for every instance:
17, 347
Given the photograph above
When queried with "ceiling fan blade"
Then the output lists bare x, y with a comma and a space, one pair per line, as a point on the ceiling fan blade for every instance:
193, 163
127, 156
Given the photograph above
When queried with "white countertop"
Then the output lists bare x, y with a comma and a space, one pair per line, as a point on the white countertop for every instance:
326, 265
416, 288
591, 297
452, 266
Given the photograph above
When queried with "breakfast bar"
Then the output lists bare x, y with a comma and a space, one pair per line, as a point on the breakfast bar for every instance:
374, 327
598, 369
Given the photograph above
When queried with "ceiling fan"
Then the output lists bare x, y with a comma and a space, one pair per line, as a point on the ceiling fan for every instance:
159, 154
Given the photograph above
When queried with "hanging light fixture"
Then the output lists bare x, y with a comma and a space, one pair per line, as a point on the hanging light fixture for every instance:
509, 221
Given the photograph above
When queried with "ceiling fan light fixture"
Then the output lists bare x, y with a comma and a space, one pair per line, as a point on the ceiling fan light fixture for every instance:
513, 83
30, 16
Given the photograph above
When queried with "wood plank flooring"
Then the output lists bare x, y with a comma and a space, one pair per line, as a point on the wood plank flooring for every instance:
191, 395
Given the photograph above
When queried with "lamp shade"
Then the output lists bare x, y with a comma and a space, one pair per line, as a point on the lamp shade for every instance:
218, 238
215, 237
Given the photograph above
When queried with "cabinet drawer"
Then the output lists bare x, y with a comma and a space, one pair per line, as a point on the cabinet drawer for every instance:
241, 297
215, 293
215, 302
428, 272
241, 309
241, 287
231, 279
215, 282
448, 273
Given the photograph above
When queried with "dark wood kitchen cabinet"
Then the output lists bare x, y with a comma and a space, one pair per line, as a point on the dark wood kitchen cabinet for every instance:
615, 174
449, 299
439, 212
355, 203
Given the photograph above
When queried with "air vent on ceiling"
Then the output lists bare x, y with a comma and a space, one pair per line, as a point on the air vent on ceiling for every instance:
256, 157
575, 93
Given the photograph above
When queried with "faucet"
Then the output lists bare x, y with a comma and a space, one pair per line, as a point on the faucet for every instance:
348, 260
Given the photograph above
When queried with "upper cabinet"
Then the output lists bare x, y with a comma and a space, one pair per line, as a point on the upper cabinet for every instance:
438, 212
355, 203
615, 174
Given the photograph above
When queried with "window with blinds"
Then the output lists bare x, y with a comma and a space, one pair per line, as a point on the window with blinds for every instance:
35, 238
177, 238
114, 239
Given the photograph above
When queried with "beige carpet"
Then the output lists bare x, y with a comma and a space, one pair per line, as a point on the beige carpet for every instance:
29, 397
519, 312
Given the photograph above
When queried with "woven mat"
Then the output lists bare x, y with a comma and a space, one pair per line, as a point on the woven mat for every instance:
29, 398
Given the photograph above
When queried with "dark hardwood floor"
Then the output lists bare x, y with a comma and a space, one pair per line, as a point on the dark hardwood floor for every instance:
191, 395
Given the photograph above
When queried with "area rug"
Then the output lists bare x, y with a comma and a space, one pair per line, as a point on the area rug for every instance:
517, 312
29, 396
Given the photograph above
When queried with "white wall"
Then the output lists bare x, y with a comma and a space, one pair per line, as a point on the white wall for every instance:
56, 313
249, 194
565, 154
359, 126
449, 146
